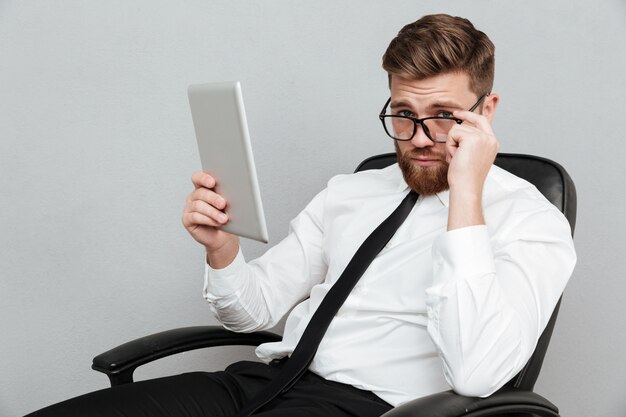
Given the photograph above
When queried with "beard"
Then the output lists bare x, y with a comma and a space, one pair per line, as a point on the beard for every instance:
423, 180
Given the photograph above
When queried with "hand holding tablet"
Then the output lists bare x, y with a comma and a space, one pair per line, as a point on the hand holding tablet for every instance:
229, 184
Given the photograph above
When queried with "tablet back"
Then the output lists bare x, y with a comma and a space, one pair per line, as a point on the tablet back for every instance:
221, 129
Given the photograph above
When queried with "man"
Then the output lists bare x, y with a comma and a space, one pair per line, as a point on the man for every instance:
457, 298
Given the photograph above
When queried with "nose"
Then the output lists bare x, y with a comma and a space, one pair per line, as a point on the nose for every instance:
420, 140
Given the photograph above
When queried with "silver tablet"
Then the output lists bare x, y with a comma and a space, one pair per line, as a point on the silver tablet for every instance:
219, 119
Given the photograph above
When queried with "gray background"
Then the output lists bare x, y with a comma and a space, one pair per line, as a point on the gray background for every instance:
97, 148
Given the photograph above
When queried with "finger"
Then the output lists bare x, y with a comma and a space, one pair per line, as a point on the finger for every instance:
202, 179
472, 139
195, 219
474, 119
457, 133
202, 207
208, 196
464, 130
210, 215
450, 151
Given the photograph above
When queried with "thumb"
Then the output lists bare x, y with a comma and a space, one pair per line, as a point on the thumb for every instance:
451, 148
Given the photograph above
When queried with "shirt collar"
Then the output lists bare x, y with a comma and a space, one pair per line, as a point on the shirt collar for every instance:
444, 197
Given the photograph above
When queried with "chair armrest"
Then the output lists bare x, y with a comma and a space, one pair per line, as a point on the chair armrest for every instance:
120, 362
450, 404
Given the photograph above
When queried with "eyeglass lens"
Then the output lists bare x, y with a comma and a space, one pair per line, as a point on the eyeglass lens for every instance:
404, 129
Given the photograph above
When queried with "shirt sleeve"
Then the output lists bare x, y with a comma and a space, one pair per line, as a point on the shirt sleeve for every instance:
253, 296
491, 299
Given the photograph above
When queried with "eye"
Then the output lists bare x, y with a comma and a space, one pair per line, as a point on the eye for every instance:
444, 113
405, 113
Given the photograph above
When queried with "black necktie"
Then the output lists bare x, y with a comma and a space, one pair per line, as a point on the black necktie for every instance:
303, 354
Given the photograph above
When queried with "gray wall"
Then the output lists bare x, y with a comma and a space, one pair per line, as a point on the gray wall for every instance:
97, 147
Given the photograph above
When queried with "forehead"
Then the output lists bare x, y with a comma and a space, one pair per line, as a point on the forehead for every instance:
445, 87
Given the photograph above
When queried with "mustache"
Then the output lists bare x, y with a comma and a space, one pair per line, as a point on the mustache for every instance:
424, 153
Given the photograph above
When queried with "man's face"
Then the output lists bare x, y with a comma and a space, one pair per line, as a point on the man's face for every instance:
422, 161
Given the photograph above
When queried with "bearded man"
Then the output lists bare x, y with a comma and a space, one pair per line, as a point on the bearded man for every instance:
457, 298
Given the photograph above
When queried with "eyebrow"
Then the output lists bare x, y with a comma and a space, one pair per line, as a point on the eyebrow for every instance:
443, 104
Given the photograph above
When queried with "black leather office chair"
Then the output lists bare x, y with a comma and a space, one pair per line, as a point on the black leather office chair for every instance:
516, 398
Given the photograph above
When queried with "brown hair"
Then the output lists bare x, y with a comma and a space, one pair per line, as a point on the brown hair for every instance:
438, 44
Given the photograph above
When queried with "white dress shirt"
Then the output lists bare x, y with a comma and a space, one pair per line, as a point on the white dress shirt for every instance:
435, 309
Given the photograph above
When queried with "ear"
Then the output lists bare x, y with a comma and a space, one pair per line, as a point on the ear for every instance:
489, 106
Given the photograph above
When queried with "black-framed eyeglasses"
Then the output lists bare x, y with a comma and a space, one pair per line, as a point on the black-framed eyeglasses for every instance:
436, 128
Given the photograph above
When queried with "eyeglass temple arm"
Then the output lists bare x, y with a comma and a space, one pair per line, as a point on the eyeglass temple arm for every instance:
382, 112
480, 100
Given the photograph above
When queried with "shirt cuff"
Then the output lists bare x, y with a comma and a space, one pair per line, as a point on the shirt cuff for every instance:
462, 253
224, 281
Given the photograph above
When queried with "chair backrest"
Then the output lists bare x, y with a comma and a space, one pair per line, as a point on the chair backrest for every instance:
556, 185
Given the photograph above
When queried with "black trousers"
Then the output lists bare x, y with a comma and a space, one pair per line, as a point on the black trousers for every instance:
221, 394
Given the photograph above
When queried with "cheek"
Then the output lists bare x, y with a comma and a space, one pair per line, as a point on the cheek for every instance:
404, 146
